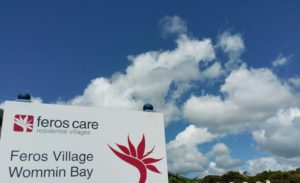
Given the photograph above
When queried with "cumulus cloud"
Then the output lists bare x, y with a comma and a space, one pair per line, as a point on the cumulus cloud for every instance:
213, 169
222, 158
214, 71
267, 163
280, 134
36, 100
152, 77
280, 60
250, 96
219, 149
171, 25
183, 154
295, 81
233, 46
226, 162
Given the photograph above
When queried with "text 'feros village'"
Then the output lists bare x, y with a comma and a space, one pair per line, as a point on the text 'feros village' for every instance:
63, 156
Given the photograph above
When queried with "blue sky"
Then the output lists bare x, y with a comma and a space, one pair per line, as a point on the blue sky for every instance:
225, 73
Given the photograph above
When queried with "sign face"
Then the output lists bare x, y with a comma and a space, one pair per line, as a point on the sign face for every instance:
42, 143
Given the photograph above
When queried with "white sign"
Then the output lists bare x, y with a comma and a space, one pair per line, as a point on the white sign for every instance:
43, 143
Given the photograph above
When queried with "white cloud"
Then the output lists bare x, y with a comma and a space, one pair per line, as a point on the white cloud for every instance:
172, 25
36, 100
233, 46
295, 81
149, 79
192, 136
280, 60
186, 159
219, 149
214, 71
267, 163
280, 134
213, 169
250, 97
222, 158
183, 154
227, 163
231, 43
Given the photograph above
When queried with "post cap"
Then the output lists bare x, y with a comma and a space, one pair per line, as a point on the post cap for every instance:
24, 96
148, 107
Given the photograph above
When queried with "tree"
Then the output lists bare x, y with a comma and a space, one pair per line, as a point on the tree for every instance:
232, 176
211, 179
263, 176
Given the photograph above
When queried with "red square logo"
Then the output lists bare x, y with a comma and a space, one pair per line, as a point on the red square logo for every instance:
23, 123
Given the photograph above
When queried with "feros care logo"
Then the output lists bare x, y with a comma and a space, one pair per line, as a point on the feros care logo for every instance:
137, 157
23, 123
40, 124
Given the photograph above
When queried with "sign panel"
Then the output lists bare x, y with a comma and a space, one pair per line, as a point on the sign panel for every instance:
42, 143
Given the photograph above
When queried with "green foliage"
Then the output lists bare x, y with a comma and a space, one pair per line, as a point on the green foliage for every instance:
232, 176
236, 177
265, 175
211, 179
179, 179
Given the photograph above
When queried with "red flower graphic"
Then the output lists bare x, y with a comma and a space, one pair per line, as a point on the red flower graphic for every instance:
137, 158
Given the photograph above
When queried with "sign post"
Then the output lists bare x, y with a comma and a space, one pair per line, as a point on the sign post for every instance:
55, 143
